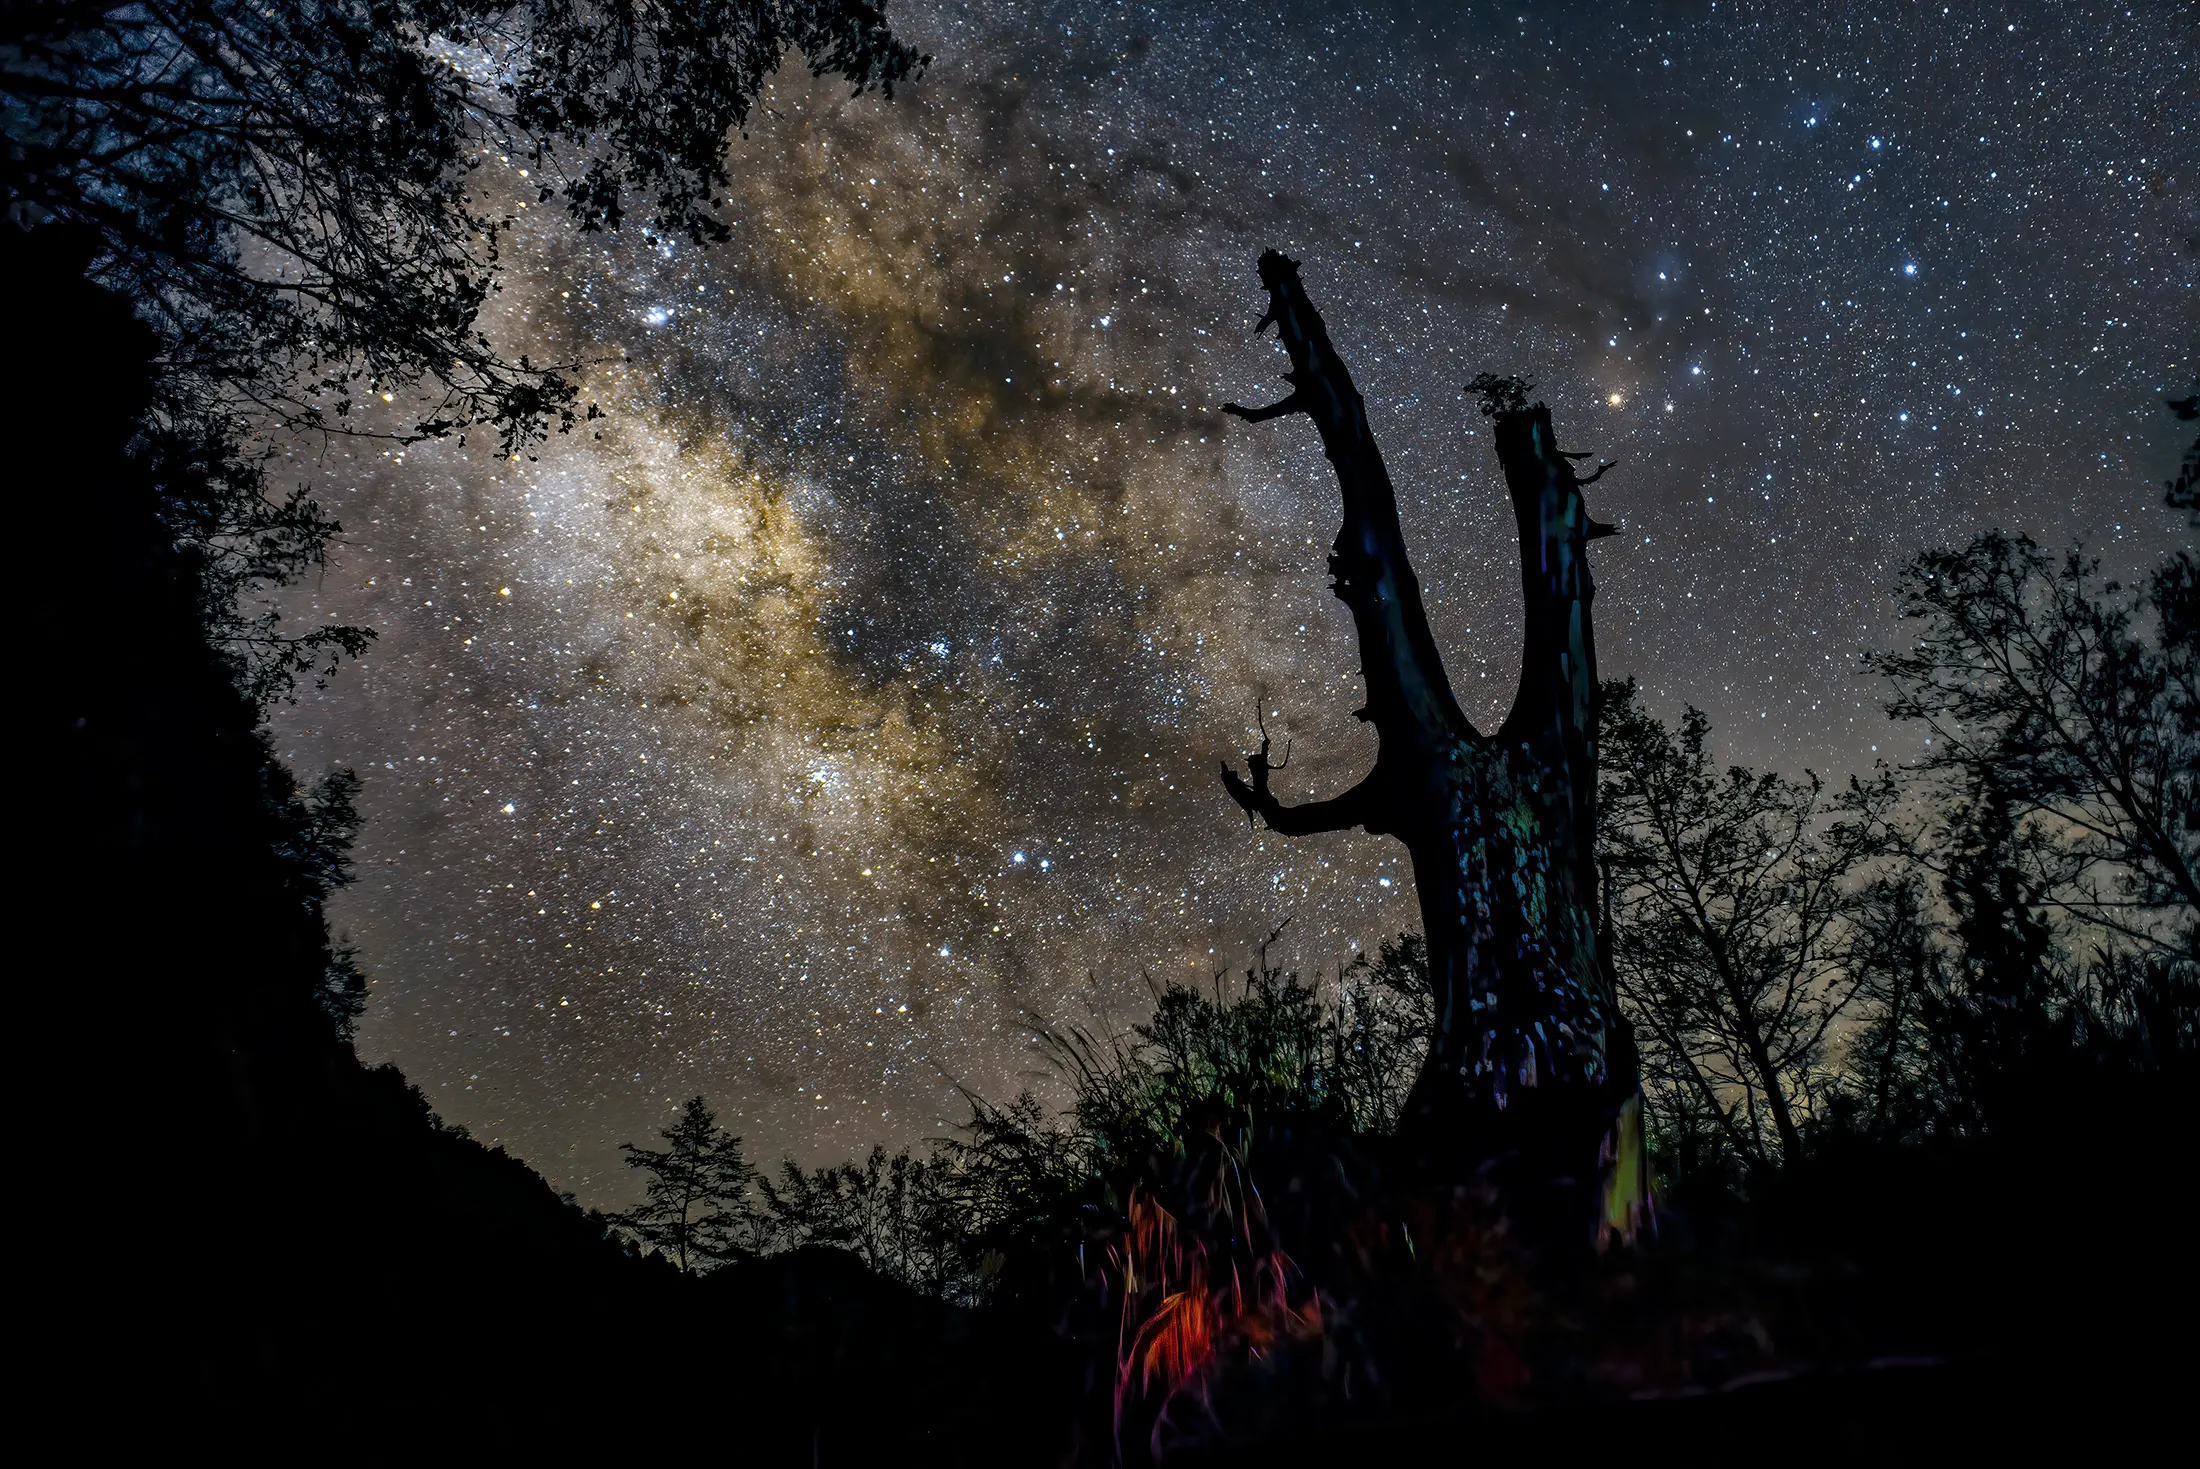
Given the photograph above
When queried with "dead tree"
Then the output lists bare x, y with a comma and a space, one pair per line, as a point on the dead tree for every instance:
1530, 1067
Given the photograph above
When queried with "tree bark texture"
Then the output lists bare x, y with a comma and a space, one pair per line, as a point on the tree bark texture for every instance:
1529, 1053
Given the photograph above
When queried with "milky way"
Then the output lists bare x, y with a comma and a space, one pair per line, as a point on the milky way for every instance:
852, 701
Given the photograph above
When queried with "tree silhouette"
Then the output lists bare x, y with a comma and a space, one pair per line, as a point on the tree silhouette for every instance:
1528, 1055
1735, 897
1381, 1031
696, 1212
2076, 706
1898, 959
300, 199
2005, 995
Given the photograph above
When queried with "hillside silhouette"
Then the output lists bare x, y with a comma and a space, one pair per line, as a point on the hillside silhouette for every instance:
251, 1237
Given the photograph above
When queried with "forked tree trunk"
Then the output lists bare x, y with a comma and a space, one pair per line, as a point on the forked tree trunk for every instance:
1530, 1063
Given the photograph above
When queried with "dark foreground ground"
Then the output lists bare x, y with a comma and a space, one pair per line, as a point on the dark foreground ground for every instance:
1973, 1412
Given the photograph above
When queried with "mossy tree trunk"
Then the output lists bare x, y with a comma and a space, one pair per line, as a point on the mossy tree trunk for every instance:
1530, 1061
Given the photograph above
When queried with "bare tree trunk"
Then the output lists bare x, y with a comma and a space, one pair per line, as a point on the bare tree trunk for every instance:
1529, 1058
1768, 1079
1755, 1049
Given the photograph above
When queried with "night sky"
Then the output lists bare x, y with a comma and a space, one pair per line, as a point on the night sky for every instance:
854, 699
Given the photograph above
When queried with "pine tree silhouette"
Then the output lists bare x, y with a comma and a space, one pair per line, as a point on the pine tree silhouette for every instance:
696, 1212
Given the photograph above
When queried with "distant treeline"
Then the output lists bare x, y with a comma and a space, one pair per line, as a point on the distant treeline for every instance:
1997, 939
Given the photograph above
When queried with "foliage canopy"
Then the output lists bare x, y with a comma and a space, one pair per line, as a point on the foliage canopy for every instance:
297, 197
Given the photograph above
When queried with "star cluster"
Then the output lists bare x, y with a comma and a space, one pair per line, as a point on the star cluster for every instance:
853, 698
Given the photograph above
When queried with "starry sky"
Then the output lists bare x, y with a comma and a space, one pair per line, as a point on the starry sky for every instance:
851, 702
